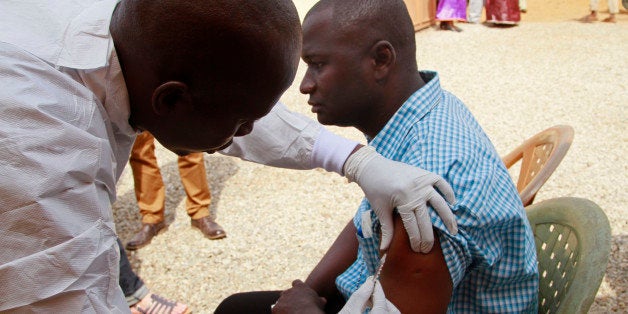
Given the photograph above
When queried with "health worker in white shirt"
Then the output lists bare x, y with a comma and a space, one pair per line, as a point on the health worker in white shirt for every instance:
81, 78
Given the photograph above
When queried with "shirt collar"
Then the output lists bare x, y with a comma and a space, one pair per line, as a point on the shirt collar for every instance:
419, 104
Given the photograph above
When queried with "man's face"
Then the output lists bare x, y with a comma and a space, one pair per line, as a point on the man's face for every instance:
337, 77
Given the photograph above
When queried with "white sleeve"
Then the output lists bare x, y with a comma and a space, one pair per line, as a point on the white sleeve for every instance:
286, 139
57, 181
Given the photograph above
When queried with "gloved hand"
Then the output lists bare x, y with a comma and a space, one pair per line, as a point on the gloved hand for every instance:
390, 184
370, 294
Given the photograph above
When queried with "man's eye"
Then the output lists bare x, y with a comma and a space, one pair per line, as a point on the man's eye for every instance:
315, 65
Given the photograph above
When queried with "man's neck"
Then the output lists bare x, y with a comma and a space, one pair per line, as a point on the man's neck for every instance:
400, 91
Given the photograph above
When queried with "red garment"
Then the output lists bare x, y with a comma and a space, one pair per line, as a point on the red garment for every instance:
503, 11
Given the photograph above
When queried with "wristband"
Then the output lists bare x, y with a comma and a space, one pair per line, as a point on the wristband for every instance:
331, 151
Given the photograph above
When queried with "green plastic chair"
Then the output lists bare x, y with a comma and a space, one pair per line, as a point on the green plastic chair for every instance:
573, 243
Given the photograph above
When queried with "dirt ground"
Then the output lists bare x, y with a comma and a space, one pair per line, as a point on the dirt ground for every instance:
563, 10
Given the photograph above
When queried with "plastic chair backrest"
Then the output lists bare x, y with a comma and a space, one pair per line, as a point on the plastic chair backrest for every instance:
540, 155
573, 243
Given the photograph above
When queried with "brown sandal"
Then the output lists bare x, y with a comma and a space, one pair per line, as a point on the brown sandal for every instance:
154, 304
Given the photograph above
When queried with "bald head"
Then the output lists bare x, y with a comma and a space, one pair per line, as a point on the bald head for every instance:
210, 41
361, 61
369, 21
227, 61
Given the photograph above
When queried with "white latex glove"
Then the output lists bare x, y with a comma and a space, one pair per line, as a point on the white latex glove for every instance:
390, 184
370, 294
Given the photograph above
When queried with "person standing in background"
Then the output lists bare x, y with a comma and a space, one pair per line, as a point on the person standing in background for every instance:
450, 11
475, 11
503, 12
613, 8
150, 192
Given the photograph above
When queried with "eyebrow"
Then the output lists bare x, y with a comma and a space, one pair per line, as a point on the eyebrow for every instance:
312, 54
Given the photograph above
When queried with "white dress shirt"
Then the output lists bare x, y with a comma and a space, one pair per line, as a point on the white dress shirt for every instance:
64, 141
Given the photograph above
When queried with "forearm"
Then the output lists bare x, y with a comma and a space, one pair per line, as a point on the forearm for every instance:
281, 139
286, 139
338, 258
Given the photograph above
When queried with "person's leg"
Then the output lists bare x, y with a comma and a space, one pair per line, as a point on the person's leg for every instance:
149, 186
131, 284
475, 10
150, 191
592, 17
257, 302
593, 5
335, 303
137, 295
613, 8
194, 179
523, 6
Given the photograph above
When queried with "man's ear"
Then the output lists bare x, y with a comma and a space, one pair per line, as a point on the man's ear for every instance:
384, 57
171, 96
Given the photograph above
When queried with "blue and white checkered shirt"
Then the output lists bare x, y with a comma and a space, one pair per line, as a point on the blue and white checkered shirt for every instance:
492, 259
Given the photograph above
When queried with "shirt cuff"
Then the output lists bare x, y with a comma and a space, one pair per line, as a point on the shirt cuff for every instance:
331, 151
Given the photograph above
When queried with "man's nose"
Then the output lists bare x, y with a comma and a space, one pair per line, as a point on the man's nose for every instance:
307, 85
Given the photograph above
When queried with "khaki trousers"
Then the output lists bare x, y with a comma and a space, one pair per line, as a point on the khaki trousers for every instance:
149, 185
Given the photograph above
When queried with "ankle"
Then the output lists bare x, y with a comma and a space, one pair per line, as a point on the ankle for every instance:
137, 296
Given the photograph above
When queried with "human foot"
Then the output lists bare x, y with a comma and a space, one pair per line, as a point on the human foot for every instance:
589, 18
209, 228
154, 304
610, 19
146, 233
449, 26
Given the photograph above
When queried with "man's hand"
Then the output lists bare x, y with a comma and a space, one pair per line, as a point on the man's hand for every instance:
370, 294
299, 299
389, 184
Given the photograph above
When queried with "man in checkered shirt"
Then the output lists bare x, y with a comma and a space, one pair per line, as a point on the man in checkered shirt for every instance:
362, 72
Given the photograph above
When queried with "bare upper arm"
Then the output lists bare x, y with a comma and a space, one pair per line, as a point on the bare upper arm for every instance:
415, 282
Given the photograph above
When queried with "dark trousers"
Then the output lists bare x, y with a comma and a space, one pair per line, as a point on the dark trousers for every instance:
129, 281
259, 302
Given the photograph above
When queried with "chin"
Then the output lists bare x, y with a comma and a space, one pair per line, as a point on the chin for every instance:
322, 119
